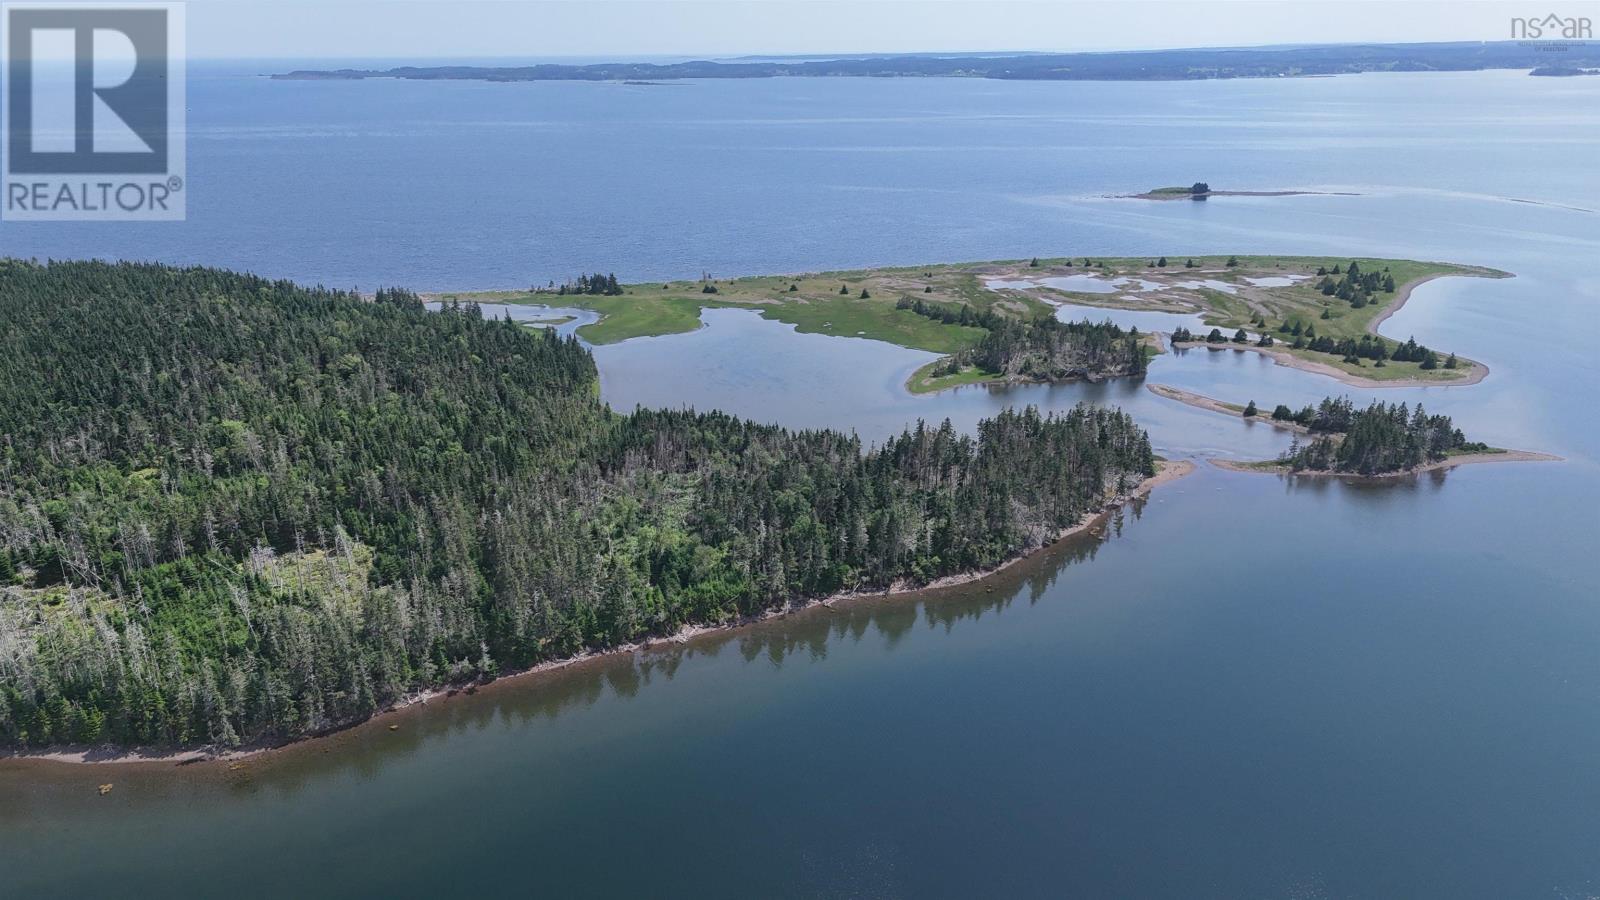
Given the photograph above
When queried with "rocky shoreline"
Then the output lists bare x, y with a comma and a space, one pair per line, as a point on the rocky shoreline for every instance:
1167, 471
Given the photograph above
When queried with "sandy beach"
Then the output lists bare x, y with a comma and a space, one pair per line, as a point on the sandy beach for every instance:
1217, 406
1282, 357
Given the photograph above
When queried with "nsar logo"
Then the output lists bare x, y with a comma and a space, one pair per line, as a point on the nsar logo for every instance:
1574, 28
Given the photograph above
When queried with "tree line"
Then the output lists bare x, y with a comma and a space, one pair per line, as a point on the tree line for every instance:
235, 509
1350, 350
1043, 348
1379, 439
592, 285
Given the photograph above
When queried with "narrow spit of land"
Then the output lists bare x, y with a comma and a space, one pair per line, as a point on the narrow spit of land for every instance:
1310, 313
1241, 411
1190, 193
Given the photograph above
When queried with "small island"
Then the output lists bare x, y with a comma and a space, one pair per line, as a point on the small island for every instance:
1381, 440
1384, 439
1201, 190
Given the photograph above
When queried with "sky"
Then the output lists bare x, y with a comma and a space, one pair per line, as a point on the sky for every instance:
615, 29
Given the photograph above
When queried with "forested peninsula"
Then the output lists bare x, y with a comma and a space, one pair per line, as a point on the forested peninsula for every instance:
236, 511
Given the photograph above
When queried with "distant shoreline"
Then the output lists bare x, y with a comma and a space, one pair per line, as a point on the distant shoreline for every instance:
1195, 64
1167, 471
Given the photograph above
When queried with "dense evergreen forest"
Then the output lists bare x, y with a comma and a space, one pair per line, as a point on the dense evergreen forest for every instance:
234, 509
1379, 439
1042, 349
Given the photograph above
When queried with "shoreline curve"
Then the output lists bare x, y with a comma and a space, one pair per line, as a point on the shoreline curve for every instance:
1167, 471
1476, 374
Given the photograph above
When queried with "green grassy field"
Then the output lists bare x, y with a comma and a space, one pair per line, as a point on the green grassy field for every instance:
1303, 302
923, 381
814, 303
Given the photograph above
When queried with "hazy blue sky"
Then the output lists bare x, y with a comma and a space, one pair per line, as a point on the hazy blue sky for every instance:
612, 28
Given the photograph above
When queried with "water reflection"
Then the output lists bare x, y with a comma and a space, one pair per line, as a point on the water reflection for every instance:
517, 703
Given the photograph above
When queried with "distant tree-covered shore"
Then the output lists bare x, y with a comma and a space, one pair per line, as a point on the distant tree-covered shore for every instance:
1142, 65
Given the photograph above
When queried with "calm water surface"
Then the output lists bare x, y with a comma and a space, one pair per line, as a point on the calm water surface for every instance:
1247, 687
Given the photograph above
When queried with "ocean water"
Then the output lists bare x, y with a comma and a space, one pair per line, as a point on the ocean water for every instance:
1245, 687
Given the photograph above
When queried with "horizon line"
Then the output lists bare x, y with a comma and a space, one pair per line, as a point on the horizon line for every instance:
736, 57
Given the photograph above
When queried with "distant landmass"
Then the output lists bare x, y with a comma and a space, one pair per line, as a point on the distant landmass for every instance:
1151, 65
1562, 71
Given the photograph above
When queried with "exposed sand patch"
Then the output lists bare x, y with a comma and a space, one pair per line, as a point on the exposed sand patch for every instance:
1464, 459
